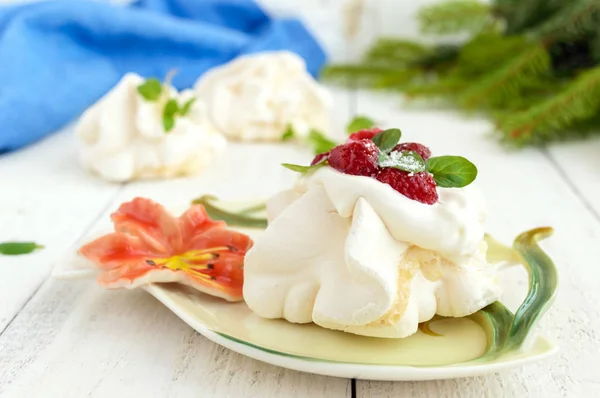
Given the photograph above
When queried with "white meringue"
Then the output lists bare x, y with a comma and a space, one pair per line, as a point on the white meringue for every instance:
122, 137
255, 97
350, 253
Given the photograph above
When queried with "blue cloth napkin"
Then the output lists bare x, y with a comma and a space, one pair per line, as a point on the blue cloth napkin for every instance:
58, 57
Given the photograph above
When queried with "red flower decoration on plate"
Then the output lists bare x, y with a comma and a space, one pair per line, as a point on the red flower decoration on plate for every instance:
149, 245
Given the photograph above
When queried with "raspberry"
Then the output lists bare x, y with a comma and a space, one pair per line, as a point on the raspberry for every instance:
364, 134
318, 158
355, 157
413, 146
420, 186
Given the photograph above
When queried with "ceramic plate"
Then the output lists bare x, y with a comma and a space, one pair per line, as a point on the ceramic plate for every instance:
488, 341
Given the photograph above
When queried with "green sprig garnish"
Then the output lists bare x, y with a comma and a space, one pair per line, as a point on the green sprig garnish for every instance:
451, 171
359, 123
171, 109
408, 161
320, 142
305, 169
187, 105
289, 133
18, 248
447, 171
387, 140
153, 91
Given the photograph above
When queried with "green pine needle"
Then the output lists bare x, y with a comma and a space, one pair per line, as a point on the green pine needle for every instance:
396, 52
577, 18
454, 16
505, 82
579, 101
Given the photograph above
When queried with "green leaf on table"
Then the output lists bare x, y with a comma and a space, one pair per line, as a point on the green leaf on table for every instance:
387, 139
288, 134
185, 109
320, 142
359, 123
18, 248
151, 89
451, 171
231, 218
408, 161
169, 113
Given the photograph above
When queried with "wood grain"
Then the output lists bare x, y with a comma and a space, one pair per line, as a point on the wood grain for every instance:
523, 190
579, 164
46, 198
73, 339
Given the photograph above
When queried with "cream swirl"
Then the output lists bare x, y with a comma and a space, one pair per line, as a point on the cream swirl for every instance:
122, 137
256, 97
351, 253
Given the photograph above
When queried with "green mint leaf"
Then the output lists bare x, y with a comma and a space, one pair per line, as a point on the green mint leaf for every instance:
305, 169
319, 142
409, 161
288, 134
18, 248
150, 89
185, 109
451, 171
296, 167
359, 123
168, 123
387, 139
171, 109
231, 218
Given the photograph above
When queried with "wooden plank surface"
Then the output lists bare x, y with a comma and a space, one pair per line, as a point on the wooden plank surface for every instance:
523, 189
44, 197
74, 339
579, 164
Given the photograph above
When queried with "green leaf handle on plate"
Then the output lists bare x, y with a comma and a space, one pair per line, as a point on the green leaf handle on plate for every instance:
508, 332
543, 283
241, 218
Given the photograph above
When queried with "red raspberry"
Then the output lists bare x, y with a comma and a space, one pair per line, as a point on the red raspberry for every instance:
318, 158
413, 146
420, 186
364, 134
357, 158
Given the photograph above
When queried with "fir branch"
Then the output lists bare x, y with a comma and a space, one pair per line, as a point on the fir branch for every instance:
579, 101
572, 21
454, 16
520, 16
506, 81
350, 75
397, 80
388, 50
484, 52
445, 87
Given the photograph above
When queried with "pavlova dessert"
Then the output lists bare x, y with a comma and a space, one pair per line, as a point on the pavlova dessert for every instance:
258, 97
376, 237
145, 129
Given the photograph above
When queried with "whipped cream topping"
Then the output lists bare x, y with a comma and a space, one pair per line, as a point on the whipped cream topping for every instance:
122, 137
255, 97
351, 253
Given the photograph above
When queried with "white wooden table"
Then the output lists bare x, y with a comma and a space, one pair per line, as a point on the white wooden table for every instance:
72, 339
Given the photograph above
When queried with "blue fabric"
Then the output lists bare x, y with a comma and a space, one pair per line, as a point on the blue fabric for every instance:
58, 57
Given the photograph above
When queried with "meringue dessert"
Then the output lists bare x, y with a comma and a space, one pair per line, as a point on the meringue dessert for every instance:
375, 238
142, 129
267, 93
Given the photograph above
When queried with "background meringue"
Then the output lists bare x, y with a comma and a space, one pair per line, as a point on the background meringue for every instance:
122, 137
255, 97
